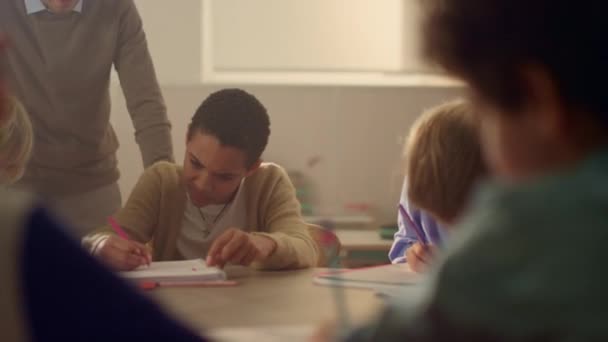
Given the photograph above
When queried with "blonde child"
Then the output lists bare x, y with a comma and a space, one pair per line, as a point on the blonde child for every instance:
443, 164
528, 262
16, 141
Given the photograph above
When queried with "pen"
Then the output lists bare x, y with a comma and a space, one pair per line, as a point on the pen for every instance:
419, 232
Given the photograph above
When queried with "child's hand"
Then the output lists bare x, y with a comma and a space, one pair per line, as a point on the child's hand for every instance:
121, 254
420, 256
239, 248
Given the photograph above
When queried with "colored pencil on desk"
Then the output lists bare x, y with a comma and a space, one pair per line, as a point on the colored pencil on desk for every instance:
218, 283
150, 285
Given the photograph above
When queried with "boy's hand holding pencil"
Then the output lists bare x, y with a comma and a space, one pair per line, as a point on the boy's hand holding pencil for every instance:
122, 253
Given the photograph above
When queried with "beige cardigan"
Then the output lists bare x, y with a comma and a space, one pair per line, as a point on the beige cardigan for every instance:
154, 211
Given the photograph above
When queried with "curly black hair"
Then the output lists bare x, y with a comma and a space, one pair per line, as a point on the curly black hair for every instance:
237, 119
486, 42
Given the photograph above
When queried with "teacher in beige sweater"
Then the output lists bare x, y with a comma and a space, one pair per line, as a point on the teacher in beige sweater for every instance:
223, 204
61, 56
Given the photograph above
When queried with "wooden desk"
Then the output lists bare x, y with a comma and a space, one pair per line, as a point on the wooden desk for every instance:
263, 299
363, 240
363, 248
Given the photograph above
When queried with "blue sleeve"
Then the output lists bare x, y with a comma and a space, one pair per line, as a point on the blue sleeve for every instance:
70, 296
406, 235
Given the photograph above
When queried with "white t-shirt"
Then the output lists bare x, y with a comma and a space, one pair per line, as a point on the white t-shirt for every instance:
201, 226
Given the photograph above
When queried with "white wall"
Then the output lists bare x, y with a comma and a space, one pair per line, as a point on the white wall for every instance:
286, 41
356, 131
174, 37
312, 35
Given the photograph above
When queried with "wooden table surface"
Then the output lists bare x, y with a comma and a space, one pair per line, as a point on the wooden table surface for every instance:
264, 299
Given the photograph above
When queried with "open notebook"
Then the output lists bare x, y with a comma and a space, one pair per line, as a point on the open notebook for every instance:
194, 270
374, 278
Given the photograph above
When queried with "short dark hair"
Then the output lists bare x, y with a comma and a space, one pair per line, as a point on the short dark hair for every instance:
486, 42
237, 119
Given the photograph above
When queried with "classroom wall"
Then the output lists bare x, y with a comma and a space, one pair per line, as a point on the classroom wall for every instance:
356, 133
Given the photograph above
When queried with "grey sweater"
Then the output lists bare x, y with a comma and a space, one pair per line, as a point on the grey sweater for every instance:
59, 66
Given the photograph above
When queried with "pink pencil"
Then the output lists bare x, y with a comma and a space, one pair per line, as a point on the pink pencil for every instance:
117, 228
150, 285
220, 283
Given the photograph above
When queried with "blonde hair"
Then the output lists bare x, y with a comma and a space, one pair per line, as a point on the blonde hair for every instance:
443, 159
16, 142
